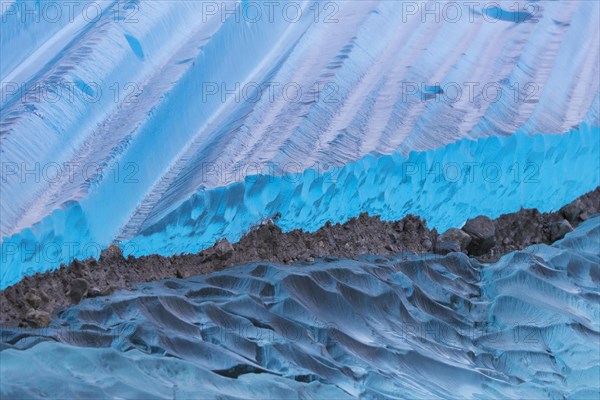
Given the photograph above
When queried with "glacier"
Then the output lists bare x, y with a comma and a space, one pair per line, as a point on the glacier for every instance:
138, 122
164, 126
491, 176
379, 327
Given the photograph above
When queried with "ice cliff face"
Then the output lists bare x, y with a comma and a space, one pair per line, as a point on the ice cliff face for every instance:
404, 327
119, 118
446, 186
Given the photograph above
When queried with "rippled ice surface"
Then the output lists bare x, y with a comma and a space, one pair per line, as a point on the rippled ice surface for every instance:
404, 327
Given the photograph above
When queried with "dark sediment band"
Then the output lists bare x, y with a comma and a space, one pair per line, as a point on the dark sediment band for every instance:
31, 302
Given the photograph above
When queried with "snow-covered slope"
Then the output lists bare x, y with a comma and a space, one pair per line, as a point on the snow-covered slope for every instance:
120, 113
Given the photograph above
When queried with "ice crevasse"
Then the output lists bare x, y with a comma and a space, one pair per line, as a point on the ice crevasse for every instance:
161, 107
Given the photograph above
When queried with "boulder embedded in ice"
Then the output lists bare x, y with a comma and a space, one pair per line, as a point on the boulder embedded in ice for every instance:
483, 235
78, 290
445, 247
38, 318
558, 230
456, 235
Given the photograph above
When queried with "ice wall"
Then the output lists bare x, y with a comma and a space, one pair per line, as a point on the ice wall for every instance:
446, 186
149, 89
